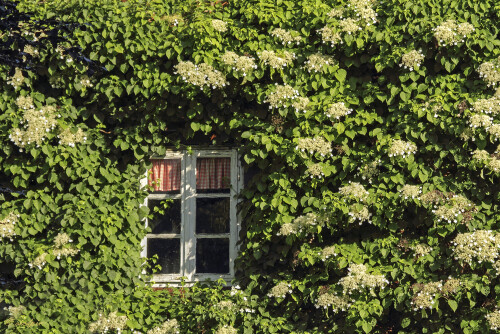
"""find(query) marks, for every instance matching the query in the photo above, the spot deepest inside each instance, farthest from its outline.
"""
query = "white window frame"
(188, 197)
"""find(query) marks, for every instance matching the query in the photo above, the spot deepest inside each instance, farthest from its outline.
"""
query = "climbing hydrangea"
(67, 137)
(490, 71)
(477, 247)
(17, 80)
(25, 102)
(306, 223)
(301, 104)
(219, 25)
(275, 60)
(358, 279)
(242, 64)
(318, 62)
(168, 327)
(39, 261)
(402, 148)
(426, 295)
(369, 170)
(280, 290)
(412, 60)
(328, 252)
(315, 170)
(338, 110)
(60, 246)
(480, 120)
(330, 36)
(349, 26)
(286, 37)
(487, 106)
(226, 330)
(455, 206)
(409, 191)
(111, 322)
(451, 33)
(36, 125)
(7, 225)
(354, 190)
(359, 213)
(282, 96)
(314, 145)
(327, 300)
(202, 75)
(494, 319)
(421, 249)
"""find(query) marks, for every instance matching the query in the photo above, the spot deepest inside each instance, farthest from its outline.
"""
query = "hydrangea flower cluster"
(315, 170)
(402, 148)
(314, 145)
(455, 206)
(335, 12)
(412, 60)
(427, 294)
(349, 26)
(277, 61)
(327, 252)
(338, 110)
(481, 156)
(112, 322)
(25, 102)
(494, 319)
(168, 327)
(85, 81)
(60, 241)
(433, 197)
(17, 79)
(421, 249)
(490, 72)
(67, 137)
(16, 311)
(327, 300)
(242, 64)
(363, 9)
(451, 33)
(409, 191)
(306, 223)
(281, 96)
(359, 213)
(29, 49)
(286, 37)
(200, 75)
(480, 120)
(39, 261)
(487, 106)
(174, 19)
(479, 246)
(219, 25)
(318, 62)
(301, 104)
(330, 36)
(358, 279)
(280, 290)
(37, 123)
(7, 225)
(354, 190)
(225, 305)
(368, 171)
(226, 330)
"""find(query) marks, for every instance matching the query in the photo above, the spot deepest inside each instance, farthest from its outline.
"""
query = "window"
(195, 225)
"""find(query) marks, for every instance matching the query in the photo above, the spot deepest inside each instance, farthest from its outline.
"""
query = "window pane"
(165, 220)
(166, 176)
(169, 254)
(213, 174)
(212, 215)
(212, 256)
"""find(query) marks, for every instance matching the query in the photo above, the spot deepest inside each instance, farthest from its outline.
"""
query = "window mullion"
(190, 219)
(233, 231)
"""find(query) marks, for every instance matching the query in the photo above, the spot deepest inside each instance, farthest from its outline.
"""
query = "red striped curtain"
(213, 173)
(168, 173)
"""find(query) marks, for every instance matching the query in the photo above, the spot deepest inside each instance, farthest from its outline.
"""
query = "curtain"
(168, 173)
(213, 173)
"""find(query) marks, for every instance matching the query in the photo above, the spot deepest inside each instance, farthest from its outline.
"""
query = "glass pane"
(165, 220)
(166, 176)
(212, 215)
(212, 256)
(169, 254)
(213, 175)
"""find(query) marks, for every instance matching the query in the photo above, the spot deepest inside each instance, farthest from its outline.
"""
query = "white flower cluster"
(318, 62)
(287, 37)
(494, 319)
(358, 279)
(60, 241)
(483, 157)
(451, 33)
(306, 223)
(455, 206)
(219, 25)
(487, 106)
(314, 145)
(85, 81)
(67, 137)
(480, 120)
(7, 225)
(421, 249)
(349, 26)
(301, 104)
(402, 148)
(427, 294)
(354, 190)
(112, 322)
(368, 171)
(202, 75)
(327, 300)
(363, 10)
(359, 213)
(412, 60)
(490, 72)
(327, 252)
(409, 191)
(17, 79)
(242, 64)
(282, 96)
(25, 102)
(338, 110)
(280, 290)
(479, 246)
(39, 261)
(29, 49)
(330, 36)
(168, 327)
(36, 125)
(16, 311)
(335, 13)
(226, 330)
(315, 170)
(174, 19)
(225, 305)
(275, 60)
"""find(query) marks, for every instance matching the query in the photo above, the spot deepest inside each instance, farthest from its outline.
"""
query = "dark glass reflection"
(212, 256)
(169, 254)
(212, 215)
(165, 220)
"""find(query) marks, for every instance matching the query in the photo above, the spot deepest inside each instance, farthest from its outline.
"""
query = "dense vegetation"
(370, 127)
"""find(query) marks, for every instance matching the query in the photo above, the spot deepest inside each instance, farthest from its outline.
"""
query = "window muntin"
(206, 195)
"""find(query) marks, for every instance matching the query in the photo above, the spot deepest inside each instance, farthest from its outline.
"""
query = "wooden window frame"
(188, 197)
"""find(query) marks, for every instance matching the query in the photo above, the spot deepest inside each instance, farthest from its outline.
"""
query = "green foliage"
(408, 127)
